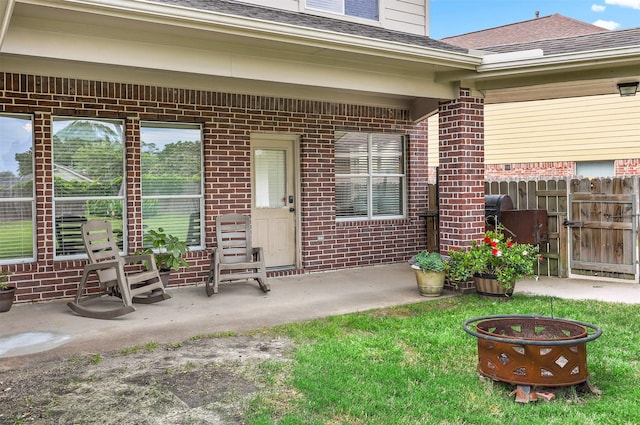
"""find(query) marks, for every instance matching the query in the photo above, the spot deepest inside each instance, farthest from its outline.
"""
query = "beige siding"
(574, 129)
(408, 16)
(292, 5)
(433, 138)
(405, 15)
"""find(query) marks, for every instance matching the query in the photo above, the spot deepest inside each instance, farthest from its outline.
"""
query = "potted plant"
(7, 293)
(169, 254)
(430, 270)
(495, 261)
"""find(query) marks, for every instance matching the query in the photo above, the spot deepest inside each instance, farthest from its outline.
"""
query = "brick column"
(461, 173)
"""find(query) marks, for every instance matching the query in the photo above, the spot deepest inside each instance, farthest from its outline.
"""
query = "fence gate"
(602, 230)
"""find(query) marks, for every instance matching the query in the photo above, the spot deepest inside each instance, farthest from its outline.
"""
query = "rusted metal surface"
(526, 226)
(532, 350)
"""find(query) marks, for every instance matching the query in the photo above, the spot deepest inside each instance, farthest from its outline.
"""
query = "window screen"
(88, 175)
(172, 195)
(17, 201)
(359, 8)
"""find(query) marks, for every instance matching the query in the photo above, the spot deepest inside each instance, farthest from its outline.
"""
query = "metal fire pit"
(532, 350)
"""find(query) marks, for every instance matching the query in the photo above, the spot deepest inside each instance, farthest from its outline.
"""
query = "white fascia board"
(566, 60)
(512, 56)
(6, 10)
(276, 31)
(512, 67)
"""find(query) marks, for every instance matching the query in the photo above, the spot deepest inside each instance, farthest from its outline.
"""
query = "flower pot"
(487, 286)
(430, 283)
(164, 277)
(6, 299)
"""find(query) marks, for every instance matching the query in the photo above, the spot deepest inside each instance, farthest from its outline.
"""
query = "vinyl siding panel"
(574, 129)
(291, 5)
(407, 16)
(433, 139)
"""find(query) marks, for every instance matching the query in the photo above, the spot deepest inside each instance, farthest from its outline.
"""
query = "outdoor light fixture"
(628, 89)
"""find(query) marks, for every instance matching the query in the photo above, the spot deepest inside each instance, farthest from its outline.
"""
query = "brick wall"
(530, 170)
(544, 170)
(227, 120)
(461, 176)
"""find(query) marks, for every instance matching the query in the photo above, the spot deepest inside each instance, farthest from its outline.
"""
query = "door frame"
(294, 140)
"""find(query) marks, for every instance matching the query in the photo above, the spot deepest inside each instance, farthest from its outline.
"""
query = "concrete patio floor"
(29, 332)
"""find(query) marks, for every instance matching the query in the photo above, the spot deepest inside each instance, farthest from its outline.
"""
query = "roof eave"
(206, 20)
(6, 10)
(492, 73)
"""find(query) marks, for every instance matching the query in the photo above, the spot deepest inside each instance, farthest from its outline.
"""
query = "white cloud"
(610, 25)
(598, 8)
(633, 4)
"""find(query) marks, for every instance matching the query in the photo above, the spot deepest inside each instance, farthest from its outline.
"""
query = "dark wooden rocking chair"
(142, 285)
(235, 254)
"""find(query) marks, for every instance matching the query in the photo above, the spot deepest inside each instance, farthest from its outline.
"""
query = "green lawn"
(415, 365)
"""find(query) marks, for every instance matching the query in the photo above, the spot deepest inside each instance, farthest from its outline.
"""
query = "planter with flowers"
(430, 269)
(7, 293)
(496, 263)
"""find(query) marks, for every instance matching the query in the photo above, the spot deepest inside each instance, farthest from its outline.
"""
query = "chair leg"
(214, 274)
(211, 286)
(216, 277)
(262, 281)
(76, 306)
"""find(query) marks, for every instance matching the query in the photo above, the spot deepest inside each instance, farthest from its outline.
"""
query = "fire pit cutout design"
(532, 350)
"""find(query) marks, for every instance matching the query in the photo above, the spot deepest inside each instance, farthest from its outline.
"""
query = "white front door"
(274, 197)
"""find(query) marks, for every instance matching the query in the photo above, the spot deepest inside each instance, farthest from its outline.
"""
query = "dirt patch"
(203, 381)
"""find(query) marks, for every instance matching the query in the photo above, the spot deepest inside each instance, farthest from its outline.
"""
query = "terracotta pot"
(487, 286)
(6, 299)
(430, 283)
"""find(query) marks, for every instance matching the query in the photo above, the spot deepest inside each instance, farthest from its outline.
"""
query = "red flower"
(509, 244)
(487, 240)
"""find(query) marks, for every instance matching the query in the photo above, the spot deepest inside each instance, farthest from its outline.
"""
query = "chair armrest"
(102, 265)
(148, 260)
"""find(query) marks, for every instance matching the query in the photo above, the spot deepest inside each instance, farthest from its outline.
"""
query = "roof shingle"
(312, 21)
(548, 27)
(582, 43)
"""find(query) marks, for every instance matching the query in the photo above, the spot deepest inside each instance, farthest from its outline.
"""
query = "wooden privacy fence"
(592, 223)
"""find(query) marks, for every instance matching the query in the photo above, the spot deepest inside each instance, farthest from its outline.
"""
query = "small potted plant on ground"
(495, 263)
(169, 254)
(430, 269)
(7, 293)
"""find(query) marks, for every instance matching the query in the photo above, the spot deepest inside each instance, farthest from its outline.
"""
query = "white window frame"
(370, 176)
(121, 197)
(199, 198)
(338, 7)
(31, 199)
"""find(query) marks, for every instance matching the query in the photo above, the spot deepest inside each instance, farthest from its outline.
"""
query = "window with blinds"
(367, 9)
(370, 175)
(17, 200)
(88, 179)
(171, 168)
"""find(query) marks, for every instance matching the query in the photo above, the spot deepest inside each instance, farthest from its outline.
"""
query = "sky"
(455, 17)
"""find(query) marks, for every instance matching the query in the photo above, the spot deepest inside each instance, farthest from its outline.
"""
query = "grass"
(415, 365)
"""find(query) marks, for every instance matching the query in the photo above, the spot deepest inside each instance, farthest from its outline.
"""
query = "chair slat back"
(100, 245)
(69, 234)
(233, 234)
